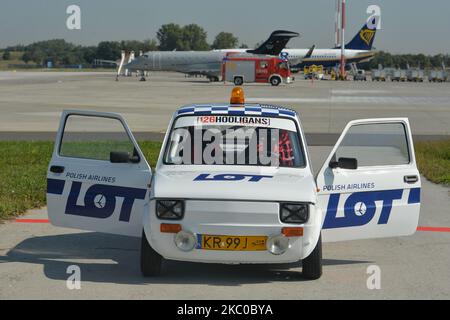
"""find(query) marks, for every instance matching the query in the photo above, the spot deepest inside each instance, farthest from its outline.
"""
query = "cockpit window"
(234, 140)
(284, 65)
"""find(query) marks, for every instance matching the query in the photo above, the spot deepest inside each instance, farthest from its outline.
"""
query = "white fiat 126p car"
(233, 184)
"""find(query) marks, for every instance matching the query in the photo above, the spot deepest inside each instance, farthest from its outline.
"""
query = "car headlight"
(170, 209)
(277, 245)
(294, 212)
(185, 241)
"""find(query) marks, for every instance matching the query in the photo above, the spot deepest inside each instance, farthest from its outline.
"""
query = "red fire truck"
(241, 69)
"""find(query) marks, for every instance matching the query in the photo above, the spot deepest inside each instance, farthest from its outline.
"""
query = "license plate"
(232, 243)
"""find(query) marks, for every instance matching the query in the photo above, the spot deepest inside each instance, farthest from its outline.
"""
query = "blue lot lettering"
(231, 177)
(106, 207)
(351, 217)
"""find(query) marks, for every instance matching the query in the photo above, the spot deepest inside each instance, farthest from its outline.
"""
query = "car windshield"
(234, 140)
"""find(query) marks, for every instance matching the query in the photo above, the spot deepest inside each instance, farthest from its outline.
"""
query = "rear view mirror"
(345, 163)
(119, 157)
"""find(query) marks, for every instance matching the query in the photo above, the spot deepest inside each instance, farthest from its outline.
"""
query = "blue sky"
(407, 26)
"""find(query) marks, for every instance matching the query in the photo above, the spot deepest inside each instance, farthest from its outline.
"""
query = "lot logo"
(100, 201)
(359, 208)
(231, 177)
(284, 55)
(73, 22)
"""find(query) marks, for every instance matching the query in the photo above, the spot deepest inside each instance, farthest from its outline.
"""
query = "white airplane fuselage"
(190, 62)
(324, 57)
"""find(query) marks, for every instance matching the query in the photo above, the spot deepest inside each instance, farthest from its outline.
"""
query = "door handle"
(57, 169)
(411, 179)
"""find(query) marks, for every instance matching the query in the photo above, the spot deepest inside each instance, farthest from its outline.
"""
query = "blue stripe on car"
(55, 186)
(265, 111)
(414, 196)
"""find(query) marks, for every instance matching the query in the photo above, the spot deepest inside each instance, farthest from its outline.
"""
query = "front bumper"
(232, 218)
(289, 80)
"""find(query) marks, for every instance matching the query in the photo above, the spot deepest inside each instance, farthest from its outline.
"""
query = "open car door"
(369, 184)
(98, 178)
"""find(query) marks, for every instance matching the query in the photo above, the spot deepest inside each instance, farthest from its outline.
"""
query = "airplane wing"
(107, 61)
(275, 44)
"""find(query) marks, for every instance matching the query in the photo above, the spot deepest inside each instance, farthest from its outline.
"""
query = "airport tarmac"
(33, 101)
(34, 258)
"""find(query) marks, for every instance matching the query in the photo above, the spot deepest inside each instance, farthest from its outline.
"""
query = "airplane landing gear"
(213, 79)
(142, 76)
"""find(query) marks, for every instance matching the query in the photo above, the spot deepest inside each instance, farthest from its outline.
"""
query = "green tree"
(88, 54)
(26, 57)
(174, 37)
(150, 45)
(169, 37)
(6, 55)
(136, 45)
(38, 55)
(109, 50)
(194, 38)
(225, 40)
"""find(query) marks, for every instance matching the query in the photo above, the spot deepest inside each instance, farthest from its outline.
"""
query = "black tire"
(275, 81)
(312, 265)
(238, 81)
(151, 260)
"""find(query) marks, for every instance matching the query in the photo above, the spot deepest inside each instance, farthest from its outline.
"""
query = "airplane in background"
(356, 51)
(207, 63)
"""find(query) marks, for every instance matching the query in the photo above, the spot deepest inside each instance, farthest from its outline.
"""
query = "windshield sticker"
(233, 120)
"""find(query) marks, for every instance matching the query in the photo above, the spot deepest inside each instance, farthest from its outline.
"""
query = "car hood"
(242, 183)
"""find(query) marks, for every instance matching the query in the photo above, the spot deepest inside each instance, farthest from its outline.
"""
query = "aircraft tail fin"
(275, 44)
(310, 52)
(363, 40)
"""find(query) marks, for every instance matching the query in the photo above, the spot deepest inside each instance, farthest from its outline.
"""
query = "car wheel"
(275, 81)
(312, 265)
(151, 260)
(238, 81)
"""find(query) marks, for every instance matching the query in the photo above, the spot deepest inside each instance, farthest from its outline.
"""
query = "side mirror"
(119, 157)
(345, 163)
